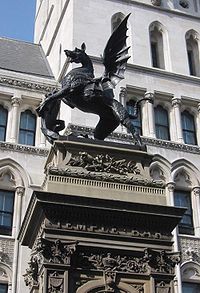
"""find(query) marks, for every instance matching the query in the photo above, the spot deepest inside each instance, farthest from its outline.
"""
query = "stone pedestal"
(101, 224)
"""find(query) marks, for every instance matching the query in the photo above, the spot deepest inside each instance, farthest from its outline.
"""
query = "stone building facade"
(164, 65)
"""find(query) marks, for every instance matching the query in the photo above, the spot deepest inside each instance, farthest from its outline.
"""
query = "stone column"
(19, 194)
(176, 102)
(123, 96)
(170, 201)
(15, 101)
(123, 100)
(148, 125)
(198, 125)
(196, 211)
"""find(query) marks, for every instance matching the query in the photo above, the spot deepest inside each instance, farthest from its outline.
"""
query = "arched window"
(156, 44)
(27, 128)
(135, 115)
(3, 122)
(193, 52)
(6, 211)
(188, 128)
(161, 123)
(182, 198)
(116, 20)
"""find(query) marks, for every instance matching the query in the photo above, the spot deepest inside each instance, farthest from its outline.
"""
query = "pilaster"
(15, 101)
(148, 127)
(178, 135)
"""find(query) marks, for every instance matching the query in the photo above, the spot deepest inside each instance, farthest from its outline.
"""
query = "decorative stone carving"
(31, 275)
(23, 149)
(190, 248)
(4, 258)
(150, 261)
(27, 85)
(55, 283)
(110, 281)
(184, 3)
(16, 101)
(163, 287)
(104, 163)
(156, 2)
(55, 252)
(6, 250)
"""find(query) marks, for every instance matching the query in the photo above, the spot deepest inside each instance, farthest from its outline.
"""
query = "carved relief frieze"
(26, 85)
(23, 149)
(104, 163)
(111, 230)
(101, 167)
(150, 261)
(190, 249)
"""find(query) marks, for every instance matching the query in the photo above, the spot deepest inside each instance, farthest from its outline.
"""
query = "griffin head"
(77, 55)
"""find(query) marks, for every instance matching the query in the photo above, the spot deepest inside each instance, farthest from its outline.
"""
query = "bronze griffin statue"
(82, 90)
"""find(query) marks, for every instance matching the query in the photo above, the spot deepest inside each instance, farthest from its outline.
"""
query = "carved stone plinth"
(96, 235)
(102, 170)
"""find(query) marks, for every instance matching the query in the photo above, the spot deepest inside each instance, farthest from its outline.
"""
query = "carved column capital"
(156, 2)
(16, 101)
(123, 92)
(176, 102)
(150, 97)
(196, 190)
(20, 190)
(171, 186)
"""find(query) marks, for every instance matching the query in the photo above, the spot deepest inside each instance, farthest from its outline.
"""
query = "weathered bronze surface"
(81, 89)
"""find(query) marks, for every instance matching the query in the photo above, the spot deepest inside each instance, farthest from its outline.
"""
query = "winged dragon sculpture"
(82, 90)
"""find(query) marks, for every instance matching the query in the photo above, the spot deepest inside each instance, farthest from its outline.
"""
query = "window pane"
(161, 123)
(6, 209)
(154, 55)
(183, 199)
(3, 123)
(137, 122)
(188, 127)
(3, 288)
(191, 288)
(27, 128)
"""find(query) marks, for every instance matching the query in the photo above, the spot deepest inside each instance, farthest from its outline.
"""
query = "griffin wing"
(115, 54)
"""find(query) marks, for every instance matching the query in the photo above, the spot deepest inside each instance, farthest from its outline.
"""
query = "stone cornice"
(6, 146)
(162, 9)
(27, 85)
(157, 72)
(127, 138)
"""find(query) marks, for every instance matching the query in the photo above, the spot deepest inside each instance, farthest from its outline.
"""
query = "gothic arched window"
(27, 128)
(188, 128)
(193, 52)
(6, 211)
(161, 123)
(3, 122)
(182, 199)
(135, 115)
(156, 43)
(116, 20)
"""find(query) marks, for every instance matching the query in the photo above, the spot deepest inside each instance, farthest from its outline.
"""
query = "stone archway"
(98, 286)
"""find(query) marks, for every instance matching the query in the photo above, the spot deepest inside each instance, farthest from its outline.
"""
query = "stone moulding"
(126, 138)
(6, 146)
(26, 85)
(133, 185)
